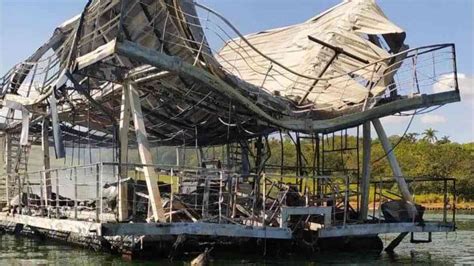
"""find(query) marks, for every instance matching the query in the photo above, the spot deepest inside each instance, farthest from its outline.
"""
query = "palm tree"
(430, 135)
(444, 140)
(411, 137)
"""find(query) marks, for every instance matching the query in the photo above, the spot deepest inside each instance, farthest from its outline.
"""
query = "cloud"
(395, 119)
(433, 119)
(465, 83)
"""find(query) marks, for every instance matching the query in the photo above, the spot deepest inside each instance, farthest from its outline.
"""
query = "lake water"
(452, 248)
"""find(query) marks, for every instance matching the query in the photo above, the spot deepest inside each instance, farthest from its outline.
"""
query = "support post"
(366, 171)
(57, 193)
(46, 162)
(264, 198)
(205, 198)
(123, 135)
(75, 193)
(391, 247)
(8, 166)
(57, 134)
(171, 195)
(145, 155)
(397, 171)
(97, 193)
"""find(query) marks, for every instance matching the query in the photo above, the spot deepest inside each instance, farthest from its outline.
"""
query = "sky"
(26, 24)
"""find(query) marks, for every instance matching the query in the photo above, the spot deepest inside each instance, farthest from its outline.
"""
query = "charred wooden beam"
(176, 65)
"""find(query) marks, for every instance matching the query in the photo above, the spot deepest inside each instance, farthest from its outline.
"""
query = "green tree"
(430, 135)
(411, 137)
(444, 140)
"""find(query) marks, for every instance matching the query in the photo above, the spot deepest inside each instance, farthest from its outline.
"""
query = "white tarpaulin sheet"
(346, 25)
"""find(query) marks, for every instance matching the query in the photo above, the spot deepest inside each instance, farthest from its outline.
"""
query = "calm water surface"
(453, 248)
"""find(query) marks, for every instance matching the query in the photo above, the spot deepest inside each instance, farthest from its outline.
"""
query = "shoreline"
(463, 206)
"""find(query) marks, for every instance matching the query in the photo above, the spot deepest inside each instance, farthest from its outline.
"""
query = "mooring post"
(366, 171)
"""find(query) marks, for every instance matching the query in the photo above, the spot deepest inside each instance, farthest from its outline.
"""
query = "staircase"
(16, 164)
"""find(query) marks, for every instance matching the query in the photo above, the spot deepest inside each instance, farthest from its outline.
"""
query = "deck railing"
(90, 193)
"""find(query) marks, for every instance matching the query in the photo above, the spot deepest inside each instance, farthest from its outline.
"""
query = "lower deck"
(208, 206)
(215, 230)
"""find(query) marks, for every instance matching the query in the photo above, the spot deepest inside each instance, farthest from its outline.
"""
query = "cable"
(399, 141)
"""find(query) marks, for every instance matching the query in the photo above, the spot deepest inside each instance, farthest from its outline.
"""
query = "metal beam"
(178, 66)
(366, 171)
(383, 228)
(123, 135)
(397, 171)
(145, 154)
(57, 134)
(203, 229)
(8, 165)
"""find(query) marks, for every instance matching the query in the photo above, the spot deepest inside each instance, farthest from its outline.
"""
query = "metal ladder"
(18, 162)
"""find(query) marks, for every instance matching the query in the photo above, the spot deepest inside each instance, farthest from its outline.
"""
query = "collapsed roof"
(353, 26)
(333, 71)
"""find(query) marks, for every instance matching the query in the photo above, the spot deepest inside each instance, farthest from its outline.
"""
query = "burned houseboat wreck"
(136, 76)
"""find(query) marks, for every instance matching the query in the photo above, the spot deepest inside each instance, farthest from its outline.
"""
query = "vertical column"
(123, 135)
(397, 171)
(97, 193)
(75, 193)
(25, 126)
(57, 134)
(8, 166)
(46, 161)
(366, 171)
(145, 155)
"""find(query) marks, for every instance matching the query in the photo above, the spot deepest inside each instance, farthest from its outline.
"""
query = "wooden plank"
(204, 229)
(46, 160)
(123, 135)
(98, 54)
(366, 171)
(80, 227)
(25, 127)
(145, 155)
(383, 228)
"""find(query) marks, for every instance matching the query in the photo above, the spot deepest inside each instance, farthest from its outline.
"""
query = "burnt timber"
(138, 76)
